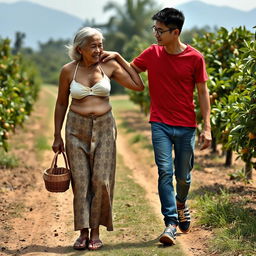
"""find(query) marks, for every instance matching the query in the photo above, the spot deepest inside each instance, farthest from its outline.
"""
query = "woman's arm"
(121, 76)
(60, 109)
(107, 55)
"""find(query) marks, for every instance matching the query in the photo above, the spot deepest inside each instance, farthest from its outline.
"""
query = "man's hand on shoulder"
(108, 55)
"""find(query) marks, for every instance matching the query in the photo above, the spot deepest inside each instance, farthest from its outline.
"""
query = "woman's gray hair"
(80, 39)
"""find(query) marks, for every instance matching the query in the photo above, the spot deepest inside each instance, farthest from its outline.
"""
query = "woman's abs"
(91, 105)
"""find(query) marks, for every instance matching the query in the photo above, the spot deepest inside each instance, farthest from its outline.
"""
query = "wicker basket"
(57, 179)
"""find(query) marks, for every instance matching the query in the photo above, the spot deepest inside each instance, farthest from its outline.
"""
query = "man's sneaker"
(169, 235)
(184, 218)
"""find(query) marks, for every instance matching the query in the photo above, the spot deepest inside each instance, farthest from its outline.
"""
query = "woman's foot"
(82, 241)
(95, 243)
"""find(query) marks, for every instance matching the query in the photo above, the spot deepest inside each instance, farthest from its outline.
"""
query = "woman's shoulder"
(69, 66)
(109, 66)
(67, 70)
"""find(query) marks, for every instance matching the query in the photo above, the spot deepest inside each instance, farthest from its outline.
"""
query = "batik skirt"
(91, 152)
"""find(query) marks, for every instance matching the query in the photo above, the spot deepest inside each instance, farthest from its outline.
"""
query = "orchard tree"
(19, 88)
(243, 113)
(222, 52)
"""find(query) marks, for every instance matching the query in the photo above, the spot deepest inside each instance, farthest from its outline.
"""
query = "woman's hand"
(58, 145)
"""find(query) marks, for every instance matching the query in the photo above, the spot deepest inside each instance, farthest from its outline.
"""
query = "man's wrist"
(207, 127)
(207, 134)
(118, 56)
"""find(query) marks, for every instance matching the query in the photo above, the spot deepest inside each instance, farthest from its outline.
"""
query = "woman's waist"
(90, 109)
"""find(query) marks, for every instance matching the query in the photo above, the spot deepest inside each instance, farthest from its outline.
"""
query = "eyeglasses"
(160, 32)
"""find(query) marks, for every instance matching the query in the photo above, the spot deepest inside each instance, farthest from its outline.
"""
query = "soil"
(32, 220)
(35, 222)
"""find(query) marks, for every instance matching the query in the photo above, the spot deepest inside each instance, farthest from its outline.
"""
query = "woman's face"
(92, 50)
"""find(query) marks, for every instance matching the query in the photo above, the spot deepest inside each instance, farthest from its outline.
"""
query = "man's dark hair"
(171, 17)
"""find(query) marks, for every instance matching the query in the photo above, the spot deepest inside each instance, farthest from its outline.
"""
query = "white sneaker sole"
(168, 240)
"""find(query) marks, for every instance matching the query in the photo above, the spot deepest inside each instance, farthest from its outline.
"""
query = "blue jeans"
(182, 139)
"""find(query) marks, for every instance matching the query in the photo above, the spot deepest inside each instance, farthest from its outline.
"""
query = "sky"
(88, 9)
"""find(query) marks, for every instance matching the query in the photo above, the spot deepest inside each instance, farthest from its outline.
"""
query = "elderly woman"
(90, 131)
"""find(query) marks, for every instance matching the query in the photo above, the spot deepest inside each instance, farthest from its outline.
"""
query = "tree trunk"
(248, 169)
(229, 154)
(214, 144)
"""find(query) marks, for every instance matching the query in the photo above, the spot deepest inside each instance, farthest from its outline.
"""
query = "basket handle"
(55, 158)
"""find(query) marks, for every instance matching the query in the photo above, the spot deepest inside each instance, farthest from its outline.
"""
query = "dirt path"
(42, 222)
(35, 222)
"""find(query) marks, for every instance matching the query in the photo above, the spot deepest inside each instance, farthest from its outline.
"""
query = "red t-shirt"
(172, 79)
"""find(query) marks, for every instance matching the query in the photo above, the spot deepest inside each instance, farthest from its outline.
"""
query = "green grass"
(51, 99)
(126, 127)
(239, 175)
(138, 138)
(8, 160)
(42, 140)
(143, 140)
(148, 146)
(122, 105)
(233, 223)
(198, 167)
(42, 143)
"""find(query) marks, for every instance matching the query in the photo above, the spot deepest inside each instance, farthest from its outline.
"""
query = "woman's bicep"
(121, 76)
(63, 90)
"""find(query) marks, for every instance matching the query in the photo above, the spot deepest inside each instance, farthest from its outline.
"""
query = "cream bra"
(101, 88)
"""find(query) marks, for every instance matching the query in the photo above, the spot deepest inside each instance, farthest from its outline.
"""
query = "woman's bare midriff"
(91, 105)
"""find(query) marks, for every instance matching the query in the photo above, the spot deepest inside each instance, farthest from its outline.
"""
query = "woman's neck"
(88, 65)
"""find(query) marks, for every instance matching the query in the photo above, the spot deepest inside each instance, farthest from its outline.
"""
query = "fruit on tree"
(251, 136)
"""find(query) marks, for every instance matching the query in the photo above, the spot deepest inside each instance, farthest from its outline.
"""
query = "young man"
(174, 70)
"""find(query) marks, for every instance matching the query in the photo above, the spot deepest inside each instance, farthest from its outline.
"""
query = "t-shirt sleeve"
(142, 60)
(200, 71)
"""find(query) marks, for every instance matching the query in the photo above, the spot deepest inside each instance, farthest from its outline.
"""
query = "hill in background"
(200, 14)
(40, 23)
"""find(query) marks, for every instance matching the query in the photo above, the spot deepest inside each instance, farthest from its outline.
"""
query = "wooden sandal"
(81, 243)
(95, 245)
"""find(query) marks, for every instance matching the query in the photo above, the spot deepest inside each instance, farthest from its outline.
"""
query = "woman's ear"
(78, 49)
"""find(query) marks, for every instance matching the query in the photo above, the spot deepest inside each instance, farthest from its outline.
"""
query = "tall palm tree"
(134, 18)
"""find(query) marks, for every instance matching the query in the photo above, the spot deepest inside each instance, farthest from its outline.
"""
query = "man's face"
(163, 34)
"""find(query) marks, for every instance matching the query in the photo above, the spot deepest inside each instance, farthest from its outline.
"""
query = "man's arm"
(129, 67)
(204, 102)
(124, 78)
(138, 70)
